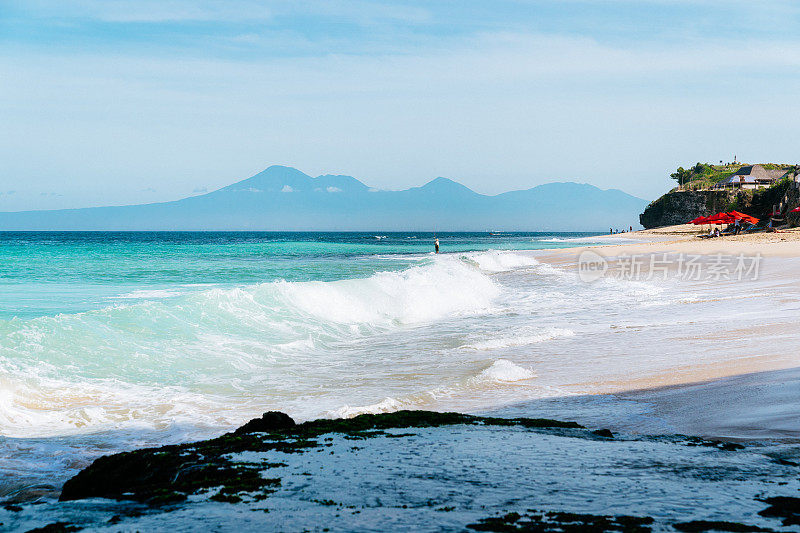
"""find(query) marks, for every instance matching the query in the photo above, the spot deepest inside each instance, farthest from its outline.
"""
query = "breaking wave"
(500, 261)
(153, 360)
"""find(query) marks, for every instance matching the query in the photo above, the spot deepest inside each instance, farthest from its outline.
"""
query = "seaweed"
(166, 476)
(786, 507)
(417, 419)
(56, 527)
(696, 526)
(718, 444)
(269, 421)
(170, 474)
(561, 522)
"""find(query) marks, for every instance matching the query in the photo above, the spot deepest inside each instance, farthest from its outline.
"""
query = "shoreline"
(749, 407)
(682, 241)
(773, 367)
(684, 238)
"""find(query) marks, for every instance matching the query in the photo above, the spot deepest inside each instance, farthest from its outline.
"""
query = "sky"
(111, 102)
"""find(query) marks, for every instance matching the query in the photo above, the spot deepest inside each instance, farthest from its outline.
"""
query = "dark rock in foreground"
(419, 470)
(270, 421)
(170, 474)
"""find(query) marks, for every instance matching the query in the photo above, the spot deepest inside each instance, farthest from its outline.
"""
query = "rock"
(168, 475)
(716, 525)
(56, 527)
(269, 422)
(679, 207)
(786, 507)
(554, 521)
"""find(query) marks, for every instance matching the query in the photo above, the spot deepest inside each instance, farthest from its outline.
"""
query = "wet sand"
(755, 406)
(752, 395)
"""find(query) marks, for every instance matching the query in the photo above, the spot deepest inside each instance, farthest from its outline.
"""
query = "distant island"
(285, 199)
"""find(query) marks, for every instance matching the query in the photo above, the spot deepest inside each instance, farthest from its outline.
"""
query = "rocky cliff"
(679, 207)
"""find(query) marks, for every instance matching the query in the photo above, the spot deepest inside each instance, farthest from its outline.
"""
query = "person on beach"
(436, 244)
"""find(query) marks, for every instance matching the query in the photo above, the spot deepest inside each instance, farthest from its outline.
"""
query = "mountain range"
(284, 199)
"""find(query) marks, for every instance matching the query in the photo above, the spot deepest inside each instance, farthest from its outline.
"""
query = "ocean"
(110, 341)
(114, 340)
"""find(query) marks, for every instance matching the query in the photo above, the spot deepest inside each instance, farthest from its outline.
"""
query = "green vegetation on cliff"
(705, 175)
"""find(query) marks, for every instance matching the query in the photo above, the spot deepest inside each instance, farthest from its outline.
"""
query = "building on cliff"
(751, 177)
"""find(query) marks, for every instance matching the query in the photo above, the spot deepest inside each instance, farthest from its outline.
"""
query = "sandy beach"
(750, 394)
(685, 238)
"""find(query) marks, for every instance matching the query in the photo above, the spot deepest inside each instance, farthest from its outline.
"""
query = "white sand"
(751, 391)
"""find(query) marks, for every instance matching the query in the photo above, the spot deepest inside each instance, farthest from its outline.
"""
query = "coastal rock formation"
(420, 470)
(270, 421)
(171, 474)
(678, 207)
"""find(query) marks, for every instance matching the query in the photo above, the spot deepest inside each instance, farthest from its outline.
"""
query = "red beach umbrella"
(720, 218)
(742, 216)
(700, 220)
(795, 210)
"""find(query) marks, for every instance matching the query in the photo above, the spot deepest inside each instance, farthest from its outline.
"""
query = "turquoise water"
(52, 273)
(110, 341)
(115, 340)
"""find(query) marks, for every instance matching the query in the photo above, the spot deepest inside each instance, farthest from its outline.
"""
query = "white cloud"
(334, 189)
(287, 188)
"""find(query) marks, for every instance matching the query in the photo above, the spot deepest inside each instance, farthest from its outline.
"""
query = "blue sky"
(115, 102)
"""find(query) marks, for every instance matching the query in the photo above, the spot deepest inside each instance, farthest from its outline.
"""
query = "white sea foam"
(505, 371)
(501, 261)
(387, 405)
(498, 373)
(500, 342)
(153, 361)
(418, 294)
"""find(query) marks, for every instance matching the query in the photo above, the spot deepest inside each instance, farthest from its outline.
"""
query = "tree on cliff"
(681, 175)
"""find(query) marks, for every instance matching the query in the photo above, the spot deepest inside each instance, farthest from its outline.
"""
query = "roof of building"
(759, 172)
(753, 174)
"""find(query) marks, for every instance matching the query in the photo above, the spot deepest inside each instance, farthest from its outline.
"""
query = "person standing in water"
(436, 244)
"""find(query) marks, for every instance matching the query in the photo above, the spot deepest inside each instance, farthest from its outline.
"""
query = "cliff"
(679, 207)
